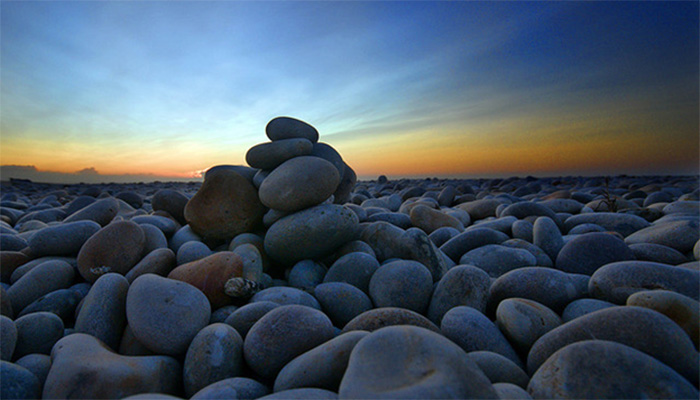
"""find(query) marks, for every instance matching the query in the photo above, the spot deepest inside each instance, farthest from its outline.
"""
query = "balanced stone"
(311, 234)
(115, 248)
(267, 156)
(400, 362)
(283, 334)
(216, 353)
(586, 253)
(165, 314)
(328, 153)
(286, 128)
(321, 367)
(594, 369)
(83, 367)
(299, 183)
(225, 205)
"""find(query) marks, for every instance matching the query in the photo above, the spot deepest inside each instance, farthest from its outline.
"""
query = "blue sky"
(400, 88)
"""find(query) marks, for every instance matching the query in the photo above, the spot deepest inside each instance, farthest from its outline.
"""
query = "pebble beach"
(289, 278)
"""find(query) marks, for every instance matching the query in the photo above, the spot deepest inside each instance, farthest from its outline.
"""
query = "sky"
(159, 90)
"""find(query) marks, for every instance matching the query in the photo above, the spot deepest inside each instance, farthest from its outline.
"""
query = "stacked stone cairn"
(288, 279)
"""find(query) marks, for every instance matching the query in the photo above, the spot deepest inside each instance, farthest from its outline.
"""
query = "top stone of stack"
(281, 128)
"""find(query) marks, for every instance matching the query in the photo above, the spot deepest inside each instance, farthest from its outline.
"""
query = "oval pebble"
(499, 368)
(237, 388)
(523, 321)
(171, 201)
(657, 253)
(616, 281)
(216, 353)
(284, 295)
(245, 317)
(680, 235)
(377, 318)
(18, 382)
(355, 269)
(306, 275)
(581, 307)
(637, 327)
(101, 211)
(496, 260)
(683, 310)
(550, 287)
(281, 128)
(103, 311)
(341, 301)
(39, 281)
(158, 261)
(267, 156)
(115, 248)
(603, 369)
(411, 362)
(8, 332)
(283, 334)
(402, 283)
(37, 333)
(165, 314)
(586, 253)
(462, 285)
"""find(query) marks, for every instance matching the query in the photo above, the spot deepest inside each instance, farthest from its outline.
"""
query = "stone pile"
(288, 279)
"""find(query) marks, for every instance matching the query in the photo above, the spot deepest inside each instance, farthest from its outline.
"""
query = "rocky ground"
(291, 279)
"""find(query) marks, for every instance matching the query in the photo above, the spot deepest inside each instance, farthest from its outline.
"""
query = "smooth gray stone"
(596, 369)
(220, 314)
(165, 314)
(585, 228)
(182, 236)
(321, 367)
(657, 253)
(462, 285)
(473, 331)
(39, 281)
(541, 258)
(62, 239)
(8, 332)
(237, 388)
(658, 197)
(37, 364)
(299, 183)
(328, 153)
(616, 281)
(171, 201)
(625, 224)
(550, 287)
(158, 261)
(637, 327)
(402, 283)
(581, 307)
(570, 206)
(84, 368)
(347, 183)
(9, 242)
(155, 239)
(401, 362)
(522, 229)
(312, 234)
(46, 216)
(480, 209)
(17, 382)
(37, 333)
(388, 316)
(164, 224)
(302, 394)
(280, 128)
(547, 236)
(103, 312)
(355, 269)
(469, 240)
(683, 310)
(267, 156)
(680, 235)
(102, 211)
(497, 260)
(216, 353)
(284, 295)
(524, 209)
(442, 235)
(690, 207)
(509, 391)
(501, 224)
(401, 220)
(77, 204)
(523, 321)
(586, 253)
(246, 172)
(283, 334)
(341, 301)
(307, 274)
(192, 251)
(499, 368)
(245, 317)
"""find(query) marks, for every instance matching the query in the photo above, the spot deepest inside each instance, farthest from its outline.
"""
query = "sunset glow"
(164, 90)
